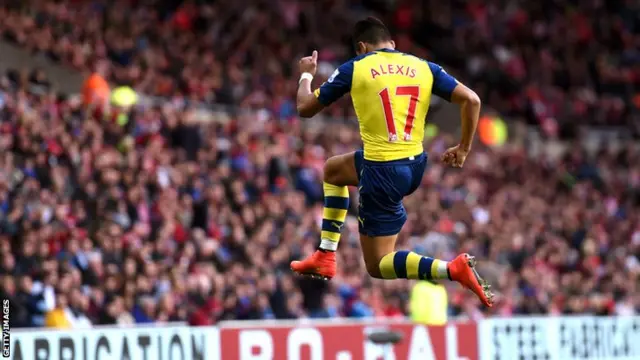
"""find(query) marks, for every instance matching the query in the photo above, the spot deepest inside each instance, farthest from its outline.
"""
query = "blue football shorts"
(382, 186)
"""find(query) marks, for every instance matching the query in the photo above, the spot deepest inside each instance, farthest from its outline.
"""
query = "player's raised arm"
(448, 88)
(306, 103)
(309, 103)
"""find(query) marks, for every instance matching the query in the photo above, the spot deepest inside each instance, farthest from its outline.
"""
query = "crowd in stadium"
(552, 62)
(168, 217)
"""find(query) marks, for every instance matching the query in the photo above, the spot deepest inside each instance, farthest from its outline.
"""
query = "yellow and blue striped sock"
(336, 203)
(409, 265)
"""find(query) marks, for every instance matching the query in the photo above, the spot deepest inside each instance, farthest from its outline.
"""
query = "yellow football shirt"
(391, 92)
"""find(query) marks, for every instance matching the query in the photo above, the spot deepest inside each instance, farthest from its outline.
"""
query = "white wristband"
(305, 75)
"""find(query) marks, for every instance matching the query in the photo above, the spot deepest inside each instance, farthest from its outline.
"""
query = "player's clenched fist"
(308, 64)
(455, 156)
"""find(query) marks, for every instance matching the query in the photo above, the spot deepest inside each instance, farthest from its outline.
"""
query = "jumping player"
(391, 92)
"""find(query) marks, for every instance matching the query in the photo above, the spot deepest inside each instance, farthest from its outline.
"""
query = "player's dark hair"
(370, 31)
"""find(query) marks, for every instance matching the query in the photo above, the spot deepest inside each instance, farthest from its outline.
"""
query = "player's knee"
(332, 171)
(374, 272)
(373, 268)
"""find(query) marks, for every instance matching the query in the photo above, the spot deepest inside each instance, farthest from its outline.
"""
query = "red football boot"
(462, 269)
(320, 265)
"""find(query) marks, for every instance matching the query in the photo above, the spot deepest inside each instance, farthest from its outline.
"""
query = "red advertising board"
(457, 341)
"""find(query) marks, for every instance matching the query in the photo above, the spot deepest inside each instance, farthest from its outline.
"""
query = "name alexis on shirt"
(393, 69)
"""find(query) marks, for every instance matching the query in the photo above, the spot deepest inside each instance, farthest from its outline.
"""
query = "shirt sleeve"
(337, 85)
(443, 83)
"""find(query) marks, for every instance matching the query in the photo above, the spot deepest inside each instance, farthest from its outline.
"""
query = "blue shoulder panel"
(339, 83)
(443, 83)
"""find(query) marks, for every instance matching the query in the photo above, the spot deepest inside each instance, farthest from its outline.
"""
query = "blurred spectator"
(95, 90)
(60, 316)
(144, 312)
(19, 310)
(79, 304)
(427, 292)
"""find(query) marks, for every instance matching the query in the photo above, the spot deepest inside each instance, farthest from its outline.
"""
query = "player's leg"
(383, 262)
(378, 234)
(381, 217)
(342, 170)
(339, 172)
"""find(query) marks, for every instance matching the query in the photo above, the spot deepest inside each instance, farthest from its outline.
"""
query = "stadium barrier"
(534, 338)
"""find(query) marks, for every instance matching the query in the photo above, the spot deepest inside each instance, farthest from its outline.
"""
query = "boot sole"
(313, 276)
(486, 288)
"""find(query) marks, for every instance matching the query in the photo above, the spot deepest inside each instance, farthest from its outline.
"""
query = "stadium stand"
(552, 63)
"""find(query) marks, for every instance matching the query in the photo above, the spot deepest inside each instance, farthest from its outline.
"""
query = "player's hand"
(309, 64)
(455, 156)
